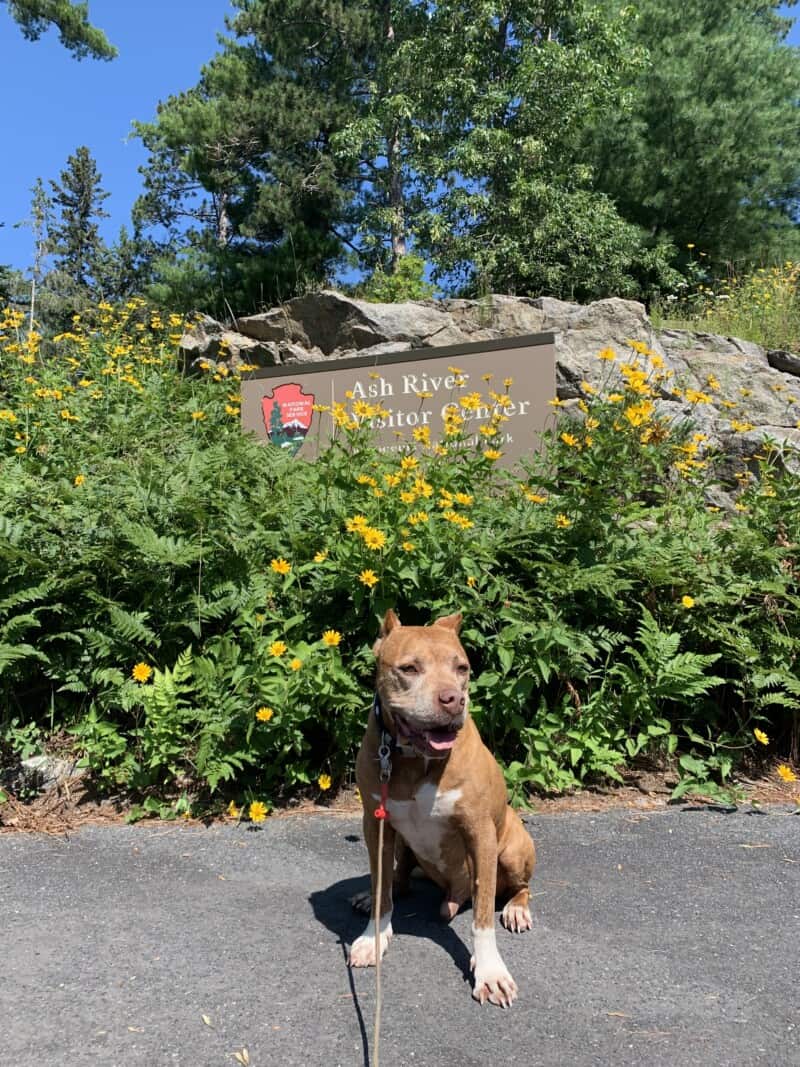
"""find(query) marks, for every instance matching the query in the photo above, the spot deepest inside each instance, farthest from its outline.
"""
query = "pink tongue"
(441, 742)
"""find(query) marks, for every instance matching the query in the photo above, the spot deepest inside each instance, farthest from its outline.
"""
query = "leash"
(381, 814)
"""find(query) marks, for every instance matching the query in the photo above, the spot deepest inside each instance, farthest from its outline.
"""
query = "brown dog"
(447, 808)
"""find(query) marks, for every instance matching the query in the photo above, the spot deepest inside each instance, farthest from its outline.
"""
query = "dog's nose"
(451, 701)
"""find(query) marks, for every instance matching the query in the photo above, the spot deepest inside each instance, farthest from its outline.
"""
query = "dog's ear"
(390, 622)
(450, 622)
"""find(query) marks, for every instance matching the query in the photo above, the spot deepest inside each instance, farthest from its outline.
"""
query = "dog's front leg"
(362, 951)
(492, 979)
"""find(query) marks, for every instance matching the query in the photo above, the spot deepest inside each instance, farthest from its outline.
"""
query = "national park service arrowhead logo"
(288, 412)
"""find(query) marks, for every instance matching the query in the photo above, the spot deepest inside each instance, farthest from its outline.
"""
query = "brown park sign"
(278, 403)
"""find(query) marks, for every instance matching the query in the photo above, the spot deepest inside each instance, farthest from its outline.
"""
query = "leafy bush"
(406, 282)
(197, 609)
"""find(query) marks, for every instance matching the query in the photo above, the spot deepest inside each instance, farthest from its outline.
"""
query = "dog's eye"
(463, 668)
(408, 668)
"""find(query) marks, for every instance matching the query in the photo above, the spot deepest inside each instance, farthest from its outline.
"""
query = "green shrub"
(197, 609)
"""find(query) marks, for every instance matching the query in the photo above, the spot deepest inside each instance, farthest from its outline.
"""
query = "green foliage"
(455, 128)
(761, 306)
(707, 153)
(406, 282)
(198, 609)
(71, 20)
(73, 237)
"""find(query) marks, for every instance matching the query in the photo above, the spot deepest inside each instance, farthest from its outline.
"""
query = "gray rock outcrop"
(748, 383)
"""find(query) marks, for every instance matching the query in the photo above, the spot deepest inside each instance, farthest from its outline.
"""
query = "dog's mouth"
(433, 740)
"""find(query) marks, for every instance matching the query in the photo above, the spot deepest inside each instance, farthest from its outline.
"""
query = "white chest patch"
(424, 821)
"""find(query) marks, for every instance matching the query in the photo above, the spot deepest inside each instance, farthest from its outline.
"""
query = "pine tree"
(70, 19)
(709, 154)
(74, 237)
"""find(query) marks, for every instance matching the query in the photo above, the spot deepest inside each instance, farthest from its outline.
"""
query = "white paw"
(492, 980)
(362, 951)
(516, 917)
(495, 985)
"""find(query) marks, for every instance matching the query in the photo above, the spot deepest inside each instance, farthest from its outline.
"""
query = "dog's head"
(422, 679)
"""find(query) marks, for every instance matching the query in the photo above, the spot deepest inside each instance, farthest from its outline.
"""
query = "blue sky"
(54, 103)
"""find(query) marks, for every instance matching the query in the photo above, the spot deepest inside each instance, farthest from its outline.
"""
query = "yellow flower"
(535, 498)
(296, 664)
(277, 648)
(320, 557)
(607, 354)
(786, 773)
(324, 782)
(141, 672)
(741, 427)
(694, 397)
(416, 517)
(264, 714)
(280, 565)
(508, 382)
(761, 737)
(492, 454)
(570, 439)
(198, 415)
(556, 403)
(233, 811)
(472, 581)
(562, 521)
(368, 578)
(687, 601)
(422, 434)
(331, 638)
(374, 539)
(407, 546)
(356, 524)
(79, 479)
(258, 811)
(7, 416)
(408, 463)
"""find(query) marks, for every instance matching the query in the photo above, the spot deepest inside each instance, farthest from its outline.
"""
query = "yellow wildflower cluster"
(373, 538)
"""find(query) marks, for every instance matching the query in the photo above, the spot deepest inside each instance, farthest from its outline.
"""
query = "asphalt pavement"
(660, 938)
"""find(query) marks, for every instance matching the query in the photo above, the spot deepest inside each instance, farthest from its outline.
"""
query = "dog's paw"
(362, 902)
(516, 917)
(495, 985)
(362, 951)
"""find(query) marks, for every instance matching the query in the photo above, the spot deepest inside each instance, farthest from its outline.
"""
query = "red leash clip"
(380, 811)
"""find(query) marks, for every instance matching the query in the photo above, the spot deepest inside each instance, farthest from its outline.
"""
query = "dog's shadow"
(415, 914)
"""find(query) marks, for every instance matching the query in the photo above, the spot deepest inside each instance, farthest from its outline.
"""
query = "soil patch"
(69, 805)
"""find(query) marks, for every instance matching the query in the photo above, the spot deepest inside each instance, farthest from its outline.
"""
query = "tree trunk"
(224, 226)
(396, 202)
(394, 156)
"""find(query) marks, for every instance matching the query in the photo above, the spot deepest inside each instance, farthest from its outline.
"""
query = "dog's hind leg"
(404, 863)
(515, 865)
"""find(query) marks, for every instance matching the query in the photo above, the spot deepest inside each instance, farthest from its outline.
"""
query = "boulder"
(742, 381)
